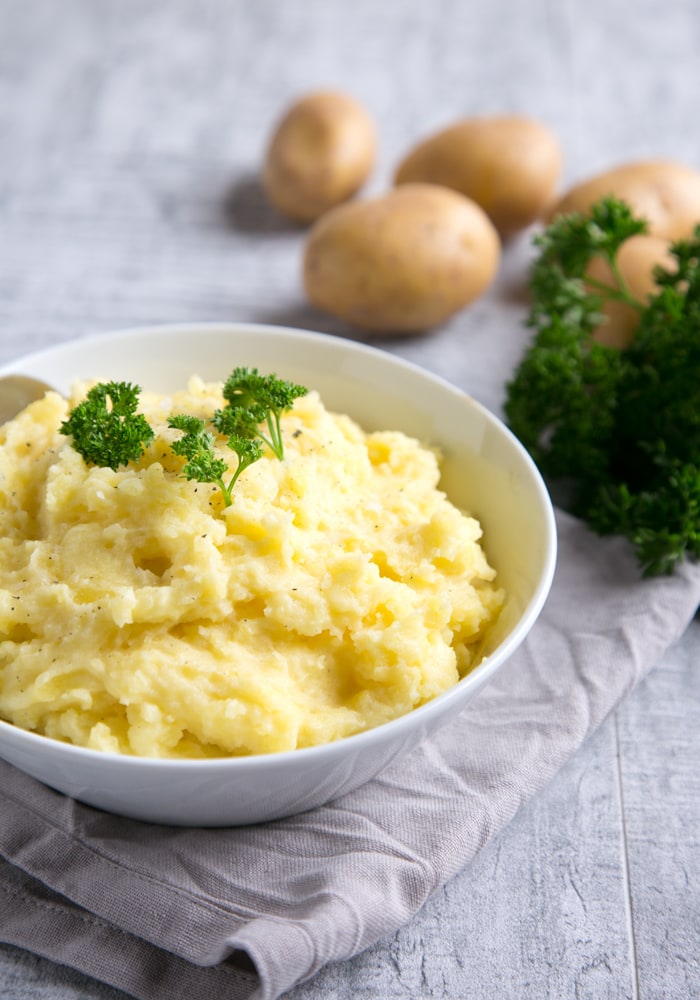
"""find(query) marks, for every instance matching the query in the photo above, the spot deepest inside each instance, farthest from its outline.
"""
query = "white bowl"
(485, 470)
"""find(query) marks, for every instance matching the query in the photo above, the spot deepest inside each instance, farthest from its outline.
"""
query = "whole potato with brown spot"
(665, 193)
(509, 165)
(636, 260)
(403, 262)
(320, 154)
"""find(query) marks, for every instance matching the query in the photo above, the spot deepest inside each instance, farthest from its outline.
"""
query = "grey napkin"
(165, 912)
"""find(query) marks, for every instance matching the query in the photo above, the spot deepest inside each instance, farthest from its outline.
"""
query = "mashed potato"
(139, 615)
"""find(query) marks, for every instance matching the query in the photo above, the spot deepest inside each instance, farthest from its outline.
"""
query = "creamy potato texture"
(140, 615)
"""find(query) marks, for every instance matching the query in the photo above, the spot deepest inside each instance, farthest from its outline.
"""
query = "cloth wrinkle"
(102, 857)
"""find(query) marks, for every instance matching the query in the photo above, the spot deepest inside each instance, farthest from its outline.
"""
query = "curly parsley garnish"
(253, 399)
(621, 428)
(105, 427)
(197, 446)
(107, 430)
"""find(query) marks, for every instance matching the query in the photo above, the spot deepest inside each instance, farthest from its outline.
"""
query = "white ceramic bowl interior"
(486, 471)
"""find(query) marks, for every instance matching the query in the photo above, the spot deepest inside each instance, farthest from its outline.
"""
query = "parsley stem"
(227, 491)
(275, 442)
(619, 293)
(621, 283)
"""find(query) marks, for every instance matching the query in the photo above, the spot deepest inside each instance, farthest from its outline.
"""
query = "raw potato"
(509, 165)
(666, 194)
(401, 263)
(636, 260)
(320, 154)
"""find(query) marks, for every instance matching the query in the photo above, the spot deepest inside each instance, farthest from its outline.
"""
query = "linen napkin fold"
(169, 912)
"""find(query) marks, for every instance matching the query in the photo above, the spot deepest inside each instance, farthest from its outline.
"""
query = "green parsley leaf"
(253, 399)
(197, 446)
(105, 427)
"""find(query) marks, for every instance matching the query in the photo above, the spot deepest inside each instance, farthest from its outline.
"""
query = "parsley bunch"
(621, 428)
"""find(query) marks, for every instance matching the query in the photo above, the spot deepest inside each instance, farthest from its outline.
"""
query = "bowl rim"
(386, 731)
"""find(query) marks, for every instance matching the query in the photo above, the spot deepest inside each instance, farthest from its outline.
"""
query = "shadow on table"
(245, 207)
(305, 317)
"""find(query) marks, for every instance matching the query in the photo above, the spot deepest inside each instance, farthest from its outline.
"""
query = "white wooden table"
(131, 135)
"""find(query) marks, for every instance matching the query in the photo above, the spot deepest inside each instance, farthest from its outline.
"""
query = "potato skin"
(636, 260)
(401, 263)
(508, 164)
(665, 193)
(320, 154)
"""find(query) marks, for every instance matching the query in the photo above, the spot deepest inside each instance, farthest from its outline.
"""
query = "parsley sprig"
(253, 399)
(197, 446)
(105, 427)
(621, 428)
(107, 430)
